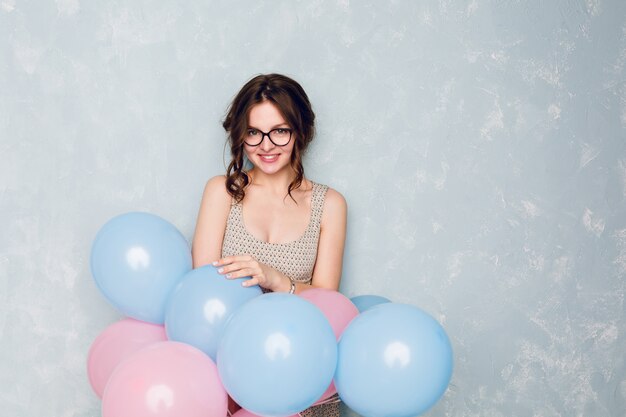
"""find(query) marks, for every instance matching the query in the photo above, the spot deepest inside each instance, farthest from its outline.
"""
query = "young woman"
(270, 222)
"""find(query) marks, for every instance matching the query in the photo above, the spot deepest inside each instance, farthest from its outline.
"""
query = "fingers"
(229, 269)
(250, 282)
(230, 259)
(229, 263)
(240, 266)
(241, 273)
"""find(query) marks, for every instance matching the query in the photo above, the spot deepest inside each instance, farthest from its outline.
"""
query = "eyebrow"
(274, 127)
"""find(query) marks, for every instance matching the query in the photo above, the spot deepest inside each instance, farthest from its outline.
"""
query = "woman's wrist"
(292, 286)
(287, 285)
(282, 282)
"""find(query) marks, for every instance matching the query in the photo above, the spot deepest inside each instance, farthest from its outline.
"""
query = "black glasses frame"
(263, 134)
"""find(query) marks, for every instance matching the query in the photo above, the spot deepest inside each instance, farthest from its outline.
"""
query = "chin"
(270, 170)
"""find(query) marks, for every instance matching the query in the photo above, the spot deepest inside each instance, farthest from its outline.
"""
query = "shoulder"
(334, 198)
(215, 190)
(216, 185)
(335, 204)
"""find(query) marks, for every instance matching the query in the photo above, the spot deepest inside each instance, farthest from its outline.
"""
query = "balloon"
(114, 344)
(167, 379)
(394, 360)
(200, 306)
(277, 355)
(337, 308)
(339, 311)
(136, 260)
(365, 302)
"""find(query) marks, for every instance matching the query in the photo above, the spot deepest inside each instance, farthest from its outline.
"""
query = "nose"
(266, 143)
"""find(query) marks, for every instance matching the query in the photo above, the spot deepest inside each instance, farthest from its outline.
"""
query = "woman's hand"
(246, 266)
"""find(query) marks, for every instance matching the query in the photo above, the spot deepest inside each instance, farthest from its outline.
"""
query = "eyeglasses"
(279, 137)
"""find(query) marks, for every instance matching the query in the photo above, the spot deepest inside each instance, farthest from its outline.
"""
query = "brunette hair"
(294, 106)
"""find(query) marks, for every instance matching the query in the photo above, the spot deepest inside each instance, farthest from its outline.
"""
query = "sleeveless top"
(295, 259)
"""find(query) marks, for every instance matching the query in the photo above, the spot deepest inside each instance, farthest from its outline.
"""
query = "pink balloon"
(245, 413)
(330, 391)
(114, 344)
(337, 308)
(166, 379)
(339, 311)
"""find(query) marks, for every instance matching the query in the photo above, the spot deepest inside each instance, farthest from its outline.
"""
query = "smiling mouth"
(268, 158)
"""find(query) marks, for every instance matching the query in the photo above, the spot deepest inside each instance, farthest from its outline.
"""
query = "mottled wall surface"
(481, 146)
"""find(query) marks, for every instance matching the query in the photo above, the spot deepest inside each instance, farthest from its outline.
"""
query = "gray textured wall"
(480, 145)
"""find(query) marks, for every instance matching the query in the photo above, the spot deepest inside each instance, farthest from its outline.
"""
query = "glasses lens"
(253, 137)
(280, 137)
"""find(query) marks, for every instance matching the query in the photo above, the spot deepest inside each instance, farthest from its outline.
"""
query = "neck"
(277, 183)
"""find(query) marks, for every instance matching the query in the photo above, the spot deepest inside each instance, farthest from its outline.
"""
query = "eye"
(282, 131)
(252, 132)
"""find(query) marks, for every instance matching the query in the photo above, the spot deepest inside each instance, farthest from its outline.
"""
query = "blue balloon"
(394, 360)
(277, 355)
(365, 302)
(136, 260)
(200, 306)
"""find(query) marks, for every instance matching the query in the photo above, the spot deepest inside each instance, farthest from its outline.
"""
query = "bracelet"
(292, 289)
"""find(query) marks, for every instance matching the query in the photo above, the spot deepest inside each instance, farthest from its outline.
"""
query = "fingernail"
(214, 263)
(228, 275)
(244, 284)
(220, 270)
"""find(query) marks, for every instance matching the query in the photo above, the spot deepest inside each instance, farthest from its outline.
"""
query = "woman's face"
(266, 156)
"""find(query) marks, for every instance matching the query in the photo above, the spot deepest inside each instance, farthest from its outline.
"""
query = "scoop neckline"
(306, 230)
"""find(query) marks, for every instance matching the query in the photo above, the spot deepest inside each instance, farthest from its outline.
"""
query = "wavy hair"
(294, 105)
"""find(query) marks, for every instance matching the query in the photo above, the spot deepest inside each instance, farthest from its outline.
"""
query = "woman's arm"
(211, 223)
(327, 271)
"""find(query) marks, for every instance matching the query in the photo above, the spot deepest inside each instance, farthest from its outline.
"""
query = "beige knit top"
(295, 259)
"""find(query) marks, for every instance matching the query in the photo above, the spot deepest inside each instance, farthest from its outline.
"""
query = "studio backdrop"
(480, 145)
